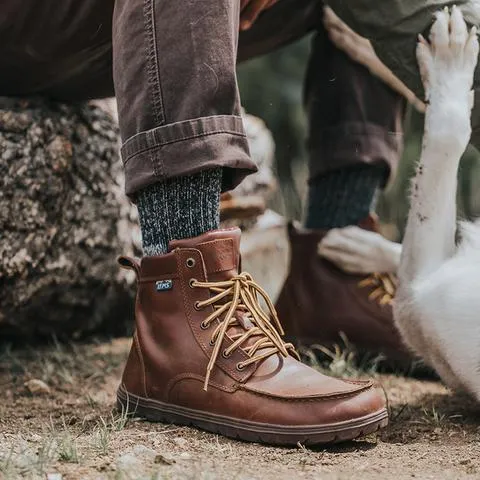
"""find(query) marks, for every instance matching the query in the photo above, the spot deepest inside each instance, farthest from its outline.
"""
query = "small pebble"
(37, 387)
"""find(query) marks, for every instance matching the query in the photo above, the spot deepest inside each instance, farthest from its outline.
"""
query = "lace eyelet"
(226, 355)
(204, 326)
(196, 306)
(191, 282)
(190, 262)
(212, 343)
(240, 367)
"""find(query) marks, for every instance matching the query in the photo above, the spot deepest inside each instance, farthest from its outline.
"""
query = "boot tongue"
(221, 254)
(220, 251)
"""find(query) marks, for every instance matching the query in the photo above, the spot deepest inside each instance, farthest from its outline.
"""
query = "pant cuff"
(352, 144)
(185, 148)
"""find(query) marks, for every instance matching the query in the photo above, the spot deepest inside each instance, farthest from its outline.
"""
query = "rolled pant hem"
(185, 148)
(353, 144)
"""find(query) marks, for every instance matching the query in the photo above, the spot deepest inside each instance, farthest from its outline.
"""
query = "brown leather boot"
(206, 353)
(319, 302)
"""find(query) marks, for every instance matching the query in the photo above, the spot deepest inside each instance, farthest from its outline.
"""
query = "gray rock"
(63, 220)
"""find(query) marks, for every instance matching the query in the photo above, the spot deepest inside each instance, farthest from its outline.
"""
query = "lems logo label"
(163, 285)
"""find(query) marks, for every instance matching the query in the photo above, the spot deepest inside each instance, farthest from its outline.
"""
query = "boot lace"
(383, 286)
(240, 296)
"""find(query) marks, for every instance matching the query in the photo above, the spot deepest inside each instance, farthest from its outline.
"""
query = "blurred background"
(271, 88)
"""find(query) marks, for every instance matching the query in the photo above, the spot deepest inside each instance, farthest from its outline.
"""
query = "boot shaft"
(171, 337)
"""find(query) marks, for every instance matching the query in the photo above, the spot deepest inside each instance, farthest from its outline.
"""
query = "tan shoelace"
(241, 294)
(384, 286)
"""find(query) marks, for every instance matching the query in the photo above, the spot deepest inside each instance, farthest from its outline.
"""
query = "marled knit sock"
(343, 197)
(179, 208)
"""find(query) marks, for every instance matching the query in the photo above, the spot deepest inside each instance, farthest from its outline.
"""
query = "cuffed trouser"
(171, 65)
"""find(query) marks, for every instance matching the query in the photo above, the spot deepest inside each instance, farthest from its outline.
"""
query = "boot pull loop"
(129, 263)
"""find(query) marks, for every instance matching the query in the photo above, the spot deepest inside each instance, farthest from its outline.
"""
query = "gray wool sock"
(179, 208)
(343, 197)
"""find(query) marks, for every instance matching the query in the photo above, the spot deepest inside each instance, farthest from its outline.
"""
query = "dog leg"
(429, 303)
(446, 65)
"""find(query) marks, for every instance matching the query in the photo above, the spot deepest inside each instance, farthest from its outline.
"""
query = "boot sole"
(156, 411)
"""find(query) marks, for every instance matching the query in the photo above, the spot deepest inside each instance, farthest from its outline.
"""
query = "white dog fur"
(437, 304)
(438, 300)
(359, 251)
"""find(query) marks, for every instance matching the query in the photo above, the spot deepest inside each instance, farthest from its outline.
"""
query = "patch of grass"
(91, 402)
(67, 449)
(102, 437)
(63, 357)
(119, 422)
(432, 416)
(23, 462)
(53, 365)
(66, 445)
(340, 361)
(105, 428)
(46, 454)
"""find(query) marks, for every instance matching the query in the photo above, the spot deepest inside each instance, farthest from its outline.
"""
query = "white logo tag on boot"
(163, 285)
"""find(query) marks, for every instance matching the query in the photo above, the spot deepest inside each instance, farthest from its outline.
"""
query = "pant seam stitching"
(153, 72)
(153, 160)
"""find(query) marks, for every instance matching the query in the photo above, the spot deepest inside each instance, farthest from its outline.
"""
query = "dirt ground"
(66, 428)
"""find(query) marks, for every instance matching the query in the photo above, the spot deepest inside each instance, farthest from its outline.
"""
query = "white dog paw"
(359, 251)
(451, 56)
(447, 66)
